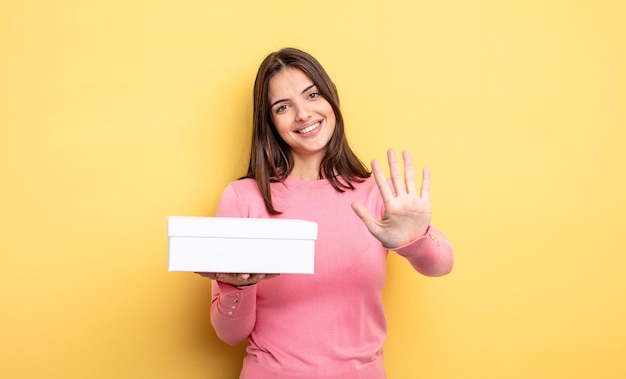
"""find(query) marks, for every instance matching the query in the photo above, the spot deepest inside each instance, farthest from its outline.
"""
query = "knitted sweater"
(330, 325)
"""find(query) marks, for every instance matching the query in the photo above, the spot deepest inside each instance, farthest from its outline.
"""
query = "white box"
(241, 245)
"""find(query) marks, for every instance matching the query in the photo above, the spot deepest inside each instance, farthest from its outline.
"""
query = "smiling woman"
(329, 325)
(271, 157)
(303, 119)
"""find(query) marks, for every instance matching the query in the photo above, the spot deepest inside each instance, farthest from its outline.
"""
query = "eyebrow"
(303, 91)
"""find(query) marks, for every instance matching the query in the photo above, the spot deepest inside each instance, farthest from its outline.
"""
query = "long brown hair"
(270, 156)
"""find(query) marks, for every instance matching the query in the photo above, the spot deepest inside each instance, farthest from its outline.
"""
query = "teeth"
(309, 129)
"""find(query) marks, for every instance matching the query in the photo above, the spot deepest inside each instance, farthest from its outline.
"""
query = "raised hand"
(407, 213)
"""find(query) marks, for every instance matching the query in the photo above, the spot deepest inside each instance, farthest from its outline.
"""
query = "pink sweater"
(330, 325)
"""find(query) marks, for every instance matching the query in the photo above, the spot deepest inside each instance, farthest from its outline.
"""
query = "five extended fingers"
(400, 186)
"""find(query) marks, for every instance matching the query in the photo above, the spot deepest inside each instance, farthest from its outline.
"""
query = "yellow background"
(116, 114)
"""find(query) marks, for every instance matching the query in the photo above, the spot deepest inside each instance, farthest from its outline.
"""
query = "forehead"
(288, 82)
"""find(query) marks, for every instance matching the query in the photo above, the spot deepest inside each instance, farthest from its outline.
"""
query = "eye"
(281, 108)
(314, 95)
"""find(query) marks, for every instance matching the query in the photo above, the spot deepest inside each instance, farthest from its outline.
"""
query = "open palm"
(407, 213)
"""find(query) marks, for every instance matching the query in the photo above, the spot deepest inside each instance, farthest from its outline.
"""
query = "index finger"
(381, 181)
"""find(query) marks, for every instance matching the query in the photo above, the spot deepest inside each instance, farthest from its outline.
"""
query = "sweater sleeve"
(431, 254)
(233, 309)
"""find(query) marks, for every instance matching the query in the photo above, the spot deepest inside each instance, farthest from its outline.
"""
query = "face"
(303, 118)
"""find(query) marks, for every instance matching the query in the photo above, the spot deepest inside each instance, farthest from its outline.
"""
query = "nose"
(303, 112)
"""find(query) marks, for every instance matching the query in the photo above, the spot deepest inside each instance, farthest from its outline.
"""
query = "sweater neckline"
(292, 182)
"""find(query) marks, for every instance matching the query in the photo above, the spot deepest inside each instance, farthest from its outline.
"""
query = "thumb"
(366, 217)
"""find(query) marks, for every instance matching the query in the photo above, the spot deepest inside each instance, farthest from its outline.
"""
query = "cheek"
(283, 128)
(332, 118)
(328, 109)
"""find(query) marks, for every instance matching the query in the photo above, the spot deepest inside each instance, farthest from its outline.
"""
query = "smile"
(309, 128)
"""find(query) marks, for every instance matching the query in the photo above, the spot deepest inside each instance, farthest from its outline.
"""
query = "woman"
(329, 325)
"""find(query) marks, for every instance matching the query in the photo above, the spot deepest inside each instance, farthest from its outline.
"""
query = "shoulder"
(245, 188)
(238, 197)
(244, 185)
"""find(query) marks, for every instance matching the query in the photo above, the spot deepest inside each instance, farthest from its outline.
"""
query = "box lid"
(232, 227)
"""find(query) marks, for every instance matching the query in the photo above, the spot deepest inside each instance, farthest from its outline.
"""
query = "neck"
(307, 168)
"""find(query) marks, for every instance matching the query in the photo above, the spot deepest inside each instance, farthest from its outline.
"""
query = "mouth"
(309, 129)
